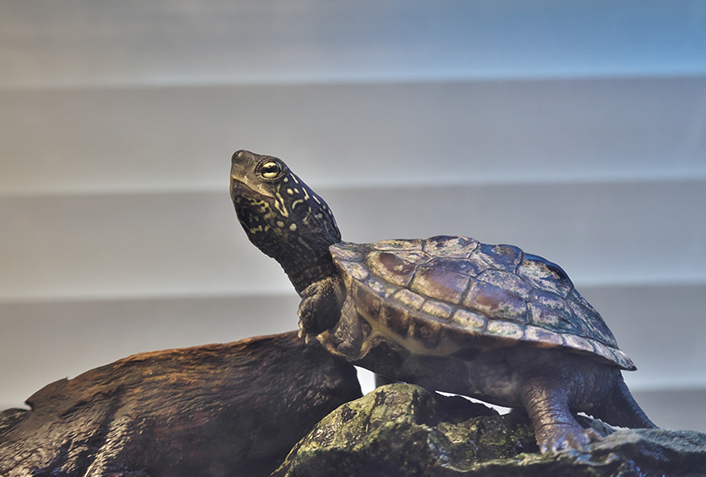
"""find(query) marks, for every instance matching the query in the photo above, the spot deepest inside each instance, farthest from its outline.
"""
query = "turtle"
(448, 313)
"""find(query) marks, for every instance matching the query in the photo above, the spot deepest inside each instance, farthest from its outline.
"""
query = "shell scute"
(357, 270)
(590, 320)
(462, 266)
(505, 329)
(507, 281)
(469, 320)
(498, 257)
(442, 283)
(348, 252)
(437, 309)
(398, 244)
(578, 343)
(397, 268)
(494, 302)
(545, 275)
(409, 299)
(603, 351)
(550, 311)
(376, 285)
(542, 337)
(623, 360)
(450, 246)
(368, 303)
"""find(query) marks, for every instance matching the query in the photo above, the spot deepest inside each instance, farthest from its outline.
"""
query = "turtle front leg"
(546, 400)
(320, 308)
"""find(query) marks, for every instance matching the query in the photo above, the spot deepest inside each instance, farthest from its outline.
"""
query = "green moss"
(402, 430)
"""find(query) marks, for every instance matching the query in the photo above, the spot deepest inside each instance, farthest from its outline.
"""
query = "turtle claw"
(565, 438)
(302, 334)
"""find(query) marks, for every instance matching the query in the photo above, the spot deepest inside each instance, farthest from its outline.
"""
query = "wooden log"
(231, 409)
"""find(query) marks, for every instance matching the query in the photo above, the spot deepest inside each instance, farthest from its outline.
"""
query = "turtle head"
(283, 217)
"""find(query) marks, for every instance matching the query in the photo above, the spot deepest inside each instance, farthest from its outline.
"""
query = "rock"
(402, 430)
(219, 410)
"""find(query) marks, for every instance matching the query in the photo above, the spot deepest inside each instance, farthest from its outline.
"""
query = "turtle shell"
(447, 294)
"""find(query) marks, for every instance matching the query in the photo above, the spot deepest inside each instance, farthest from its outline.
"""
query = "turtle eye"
(271, 170)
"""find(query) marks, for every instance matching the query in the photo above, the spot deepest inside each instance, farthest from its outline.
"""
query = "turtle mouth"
(244, 188)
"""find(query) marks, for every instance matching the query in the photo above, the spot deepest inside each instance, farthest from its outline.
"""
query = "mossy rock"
(403, 430)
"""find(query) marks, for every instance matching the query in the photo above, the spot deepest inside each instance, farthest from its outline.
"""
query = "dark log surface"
(225, 409)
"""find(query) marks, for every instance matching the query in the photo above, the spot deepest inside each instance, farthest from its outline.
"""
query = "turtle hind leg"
(546, 400)
(619, 408)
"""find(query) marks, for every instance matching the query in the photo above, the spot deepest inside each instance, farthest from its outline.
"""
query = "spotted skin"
(284, 218)
(448, 313)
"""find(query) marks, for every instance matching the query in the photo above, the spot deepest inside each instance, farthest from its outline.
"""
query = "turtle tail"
(621, 409)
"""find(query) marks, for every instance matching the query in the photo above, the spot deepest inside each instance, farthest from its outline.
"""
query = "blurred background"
(575, 130)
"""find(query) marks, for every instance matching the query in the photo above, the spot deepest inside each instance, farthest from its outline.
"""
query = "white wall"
(576, 131)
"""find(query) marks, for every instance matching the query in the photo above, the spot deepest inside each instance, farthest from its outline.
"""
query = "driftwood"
(227, 409)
